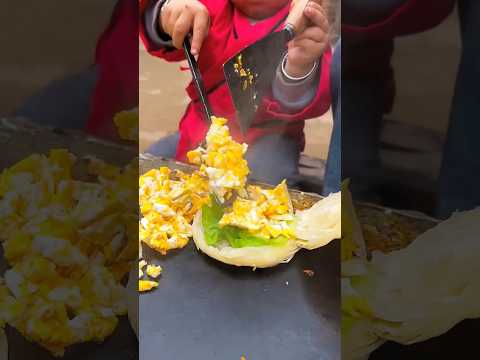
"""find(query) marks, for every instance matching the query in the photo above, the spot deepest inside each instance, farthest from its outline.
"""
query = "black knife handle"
(197, 79)
(290, 31)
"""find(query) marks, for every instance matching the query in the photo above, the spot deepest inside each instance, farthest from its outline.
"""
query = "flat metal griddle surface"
(206, 310)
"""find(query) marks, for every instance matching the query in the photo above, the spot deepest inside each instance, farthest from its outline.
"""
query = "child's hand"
(308, 47)
(179, 17)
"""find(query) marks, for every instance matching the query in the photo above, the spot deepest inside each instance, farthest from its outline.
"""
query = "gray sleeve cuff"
(158, 38)
(295, 95)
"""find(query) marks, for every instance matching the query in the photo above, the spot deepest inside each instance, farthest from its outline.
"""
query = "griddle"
(206, 310)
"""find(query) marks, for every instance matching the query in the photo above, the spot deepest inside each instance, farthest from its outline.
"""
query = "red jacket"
(372, 59)
(117, 60)
(412, 17)
(231, 31)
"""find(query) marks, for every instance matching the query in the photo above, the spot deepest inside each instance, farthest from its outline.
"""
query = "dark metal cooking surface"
(206, 310)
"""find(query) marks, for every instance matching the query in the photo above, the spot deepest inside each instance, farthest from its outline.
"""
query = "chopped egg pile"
(168, 202)
(222, 161)
(267, 213)
(170, 199)
(127, 124)
(68, 244)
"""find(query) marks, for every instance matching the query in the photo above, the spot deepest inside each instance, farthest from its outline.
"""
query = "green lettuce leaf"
(236, 237)
(211, 216)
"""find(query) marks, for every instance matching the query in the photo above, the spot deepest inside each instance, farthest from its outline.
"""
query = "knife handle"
(296, 19)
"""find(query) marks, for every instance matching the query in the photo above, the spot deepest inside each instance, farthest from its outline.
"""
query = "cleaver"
(249, 73)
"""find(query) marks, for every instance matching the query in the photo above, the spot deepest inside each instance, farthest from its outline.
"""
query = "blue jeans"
(460, 174)
(333, 171)
(271, 159)
(63, 103)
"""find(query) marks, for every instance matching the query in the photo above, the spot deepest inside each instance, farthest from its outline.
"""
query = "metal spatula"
(249, 74)
(198, 81)
(202, 94)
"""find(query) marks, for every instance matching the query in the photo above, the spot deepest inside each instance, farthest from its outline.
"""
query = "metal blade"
(249, 74)
(197, 80)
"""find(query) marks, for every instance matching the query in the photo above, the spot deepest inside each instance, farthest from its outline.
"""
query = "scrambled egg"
(267, 213)
(168, 202)
(141, 264)
(222, 161)
(154, 271)
(146, 285)
(68, 244)
(127, 124)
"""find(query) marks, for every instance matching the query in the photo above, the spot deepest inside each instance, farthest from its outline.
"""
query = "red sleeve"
(412, 17)
(272, 109)
(117, 79)
(213, 7)
(167, 54)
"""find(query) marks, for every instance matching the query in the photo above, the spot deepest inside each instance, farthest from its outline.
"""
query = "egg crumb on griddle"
(141, 265)
(222, 161)
(146, 285)
(154, 271)
(68, 244)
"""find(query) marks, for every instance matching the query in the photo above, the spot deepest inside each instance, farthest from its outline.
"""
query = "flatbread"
(320, 224)
(256, 257)
(317, 227)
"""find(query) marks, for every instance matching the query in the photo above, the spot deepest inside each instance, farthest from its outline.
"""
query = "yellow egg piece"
(154, 271)
(146, 285)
